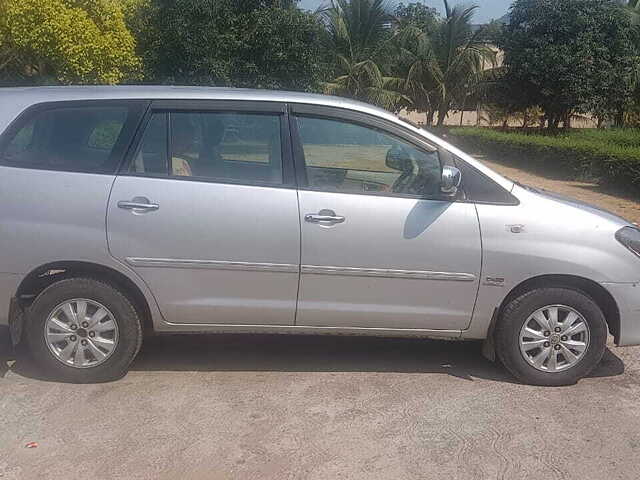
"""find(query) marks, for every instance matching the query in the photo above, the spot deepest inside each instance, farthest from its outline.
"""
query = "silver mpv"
(164, 209)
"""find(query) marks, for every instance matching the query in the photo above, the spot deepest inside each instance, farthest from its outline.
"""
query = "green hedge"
(611, 155)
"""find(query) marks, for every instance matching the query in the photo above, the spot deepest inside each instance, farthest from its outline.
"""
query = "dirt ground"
(295, 407)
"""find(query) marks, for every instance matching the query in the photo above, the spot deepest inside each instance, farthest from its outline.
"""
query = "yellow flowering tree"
(65, 41)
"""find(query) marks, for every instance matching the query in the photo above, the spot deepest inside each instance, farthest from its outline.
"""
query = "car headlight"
(630, 238)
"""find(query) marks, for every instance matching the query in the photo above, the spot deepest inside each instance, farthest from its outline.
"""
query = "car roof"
(34, 95)
(14, 100)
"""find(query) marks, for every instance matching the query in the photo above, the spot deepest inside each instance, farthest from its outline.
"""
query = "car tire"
(69, 352)
(530, 338)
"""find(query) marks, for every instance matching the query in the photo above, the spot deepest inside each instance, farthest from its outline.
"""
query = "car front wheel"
(551, 336)
(83, 330)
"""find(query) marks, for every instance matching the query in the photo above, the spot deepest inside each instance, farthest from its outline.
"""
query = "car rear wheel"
(551, 336)
(83, 330)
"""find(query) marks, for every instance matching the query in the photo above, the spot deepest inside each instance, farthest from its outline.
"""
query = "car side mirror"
(398, 159)
(451, 178)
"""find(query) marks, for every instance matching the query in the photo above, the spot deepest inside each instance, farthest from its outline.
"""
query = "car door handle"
(323, 217)
(139, 204)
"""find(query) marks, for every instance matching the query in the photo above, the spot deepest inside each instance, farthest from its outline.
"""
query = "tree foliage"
(245, 43)
(357, 29)
(358, 40)
(417, 15)
(570, 56)
(564, 57)
(492, 31)
(445, 68)
(633, 10)
(65, 41)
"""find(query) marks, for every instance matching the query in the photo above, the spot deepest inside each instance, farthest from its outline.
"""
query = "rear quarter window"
(71, 136)
(105, 134)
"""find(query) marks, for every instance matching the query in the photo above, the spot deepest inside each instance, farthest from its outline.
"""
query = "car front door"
(206, 212)
(381, 247)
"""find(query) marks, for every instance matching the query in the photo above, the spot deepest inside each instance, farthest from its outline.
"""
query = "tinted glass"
(83, 138)
(226, 146)
(480, 188)
(105, 134)
(151, 156)
(346, 157)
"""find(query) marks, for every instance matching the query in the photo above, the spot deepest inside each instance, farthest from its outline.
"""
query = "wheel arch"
(41, 277)
(594, 290)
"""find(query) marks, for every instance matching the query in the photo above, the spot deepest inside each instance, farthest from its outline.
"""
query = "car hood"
(579, 204)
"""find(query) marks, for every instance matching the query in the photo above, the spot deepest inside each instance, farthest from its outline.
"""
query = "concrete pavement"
(289, 407)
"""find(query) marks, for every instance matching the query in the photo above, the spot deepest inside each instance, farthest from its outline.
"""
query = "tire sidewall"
(517, 313)
(125, 316)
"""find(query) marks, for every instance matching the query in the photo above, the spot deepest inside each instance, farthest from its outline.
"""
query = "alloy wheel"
(81, 333)
(554, 338)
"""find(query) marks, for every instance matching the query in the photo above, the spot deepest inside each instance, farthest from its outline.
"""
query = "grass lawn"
(352, 157)
(611, 142)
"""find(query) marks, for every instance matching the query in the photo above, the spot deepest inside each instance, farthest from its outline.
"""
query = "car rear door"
(58, 162)
(381, 247)
(206, 212)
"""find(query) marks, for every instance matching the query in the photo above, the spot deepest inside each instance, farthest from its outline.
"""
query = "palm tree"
(445, 69)
(364, 81)
(357, 37)
(633, 7)
(414, 70)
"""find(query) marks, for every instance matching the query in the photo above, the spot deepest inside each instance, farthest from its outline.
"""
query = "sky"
(488, 10)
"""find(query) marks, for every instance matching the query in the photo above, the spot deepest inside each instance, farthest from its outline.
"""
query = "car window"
(347, 157)
(480, 188)
(82, 138)
(240, 147)
(21, 142)
(105, 134)
(151, 155)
